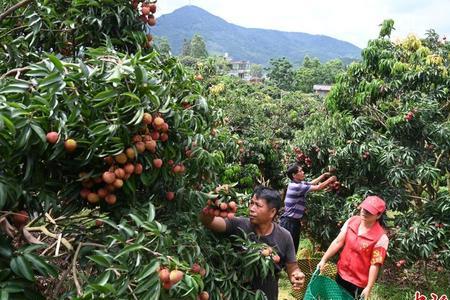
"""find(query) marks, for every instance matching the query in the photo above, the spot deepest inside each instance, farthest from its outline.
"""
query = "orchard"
(110, 150)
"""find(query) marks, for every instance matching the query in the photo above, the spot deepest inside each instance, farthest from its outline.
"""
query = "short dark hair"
(271, 196)
(292, 169)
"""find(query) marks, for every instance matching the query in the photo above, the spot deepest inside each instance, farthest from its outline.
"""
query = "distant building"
(256, 79)
(238, 68)
(321, 89)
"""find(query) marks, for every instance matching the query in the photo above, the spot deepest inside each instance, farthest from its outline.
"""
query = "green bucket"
(324, 288)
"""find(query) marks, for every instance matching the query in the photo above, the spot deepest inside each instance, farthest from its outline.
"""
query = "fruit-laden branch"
(14, 8)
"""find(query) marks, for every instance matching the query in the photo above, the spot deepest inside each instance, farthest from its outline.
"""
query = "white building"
(238, 68)
(321, 89)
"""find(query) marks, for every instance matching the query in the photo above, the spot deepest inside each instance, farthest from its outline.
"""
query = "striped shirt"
(295, 200)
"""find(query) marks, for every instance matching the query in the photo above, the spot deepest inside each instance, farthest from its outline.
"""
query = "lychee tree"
(30, 28)
(107, 156)
(387, 131)
(262, 124)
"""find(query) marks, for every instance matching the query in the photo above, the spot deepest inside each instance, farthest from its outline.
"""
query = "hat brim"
(369, 208)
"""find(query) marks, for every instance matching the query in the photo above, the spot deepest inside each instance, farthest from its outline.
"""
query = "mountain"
(255, 45)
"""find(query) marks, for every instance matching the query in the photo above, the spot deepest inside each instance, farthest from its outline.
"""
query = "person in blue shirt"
(295, 198)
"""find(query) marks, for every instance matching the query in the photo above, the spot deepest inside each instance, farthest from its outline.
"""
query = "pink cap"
(373, 204)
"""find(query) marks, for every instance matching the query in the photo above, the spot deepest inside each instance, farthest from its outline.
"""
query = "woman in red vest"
(364, 244)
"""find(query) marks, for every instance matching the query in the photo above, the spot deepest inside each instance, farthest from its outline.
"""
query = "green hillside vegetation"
(255, 45)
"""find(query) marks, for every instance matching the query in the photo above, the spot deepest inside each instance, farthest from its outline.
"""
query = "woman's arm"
(373, 275)
(337, 244)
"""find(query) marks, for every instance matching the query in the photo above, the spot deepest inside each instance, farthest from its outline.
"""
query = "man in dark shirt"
(263, 207)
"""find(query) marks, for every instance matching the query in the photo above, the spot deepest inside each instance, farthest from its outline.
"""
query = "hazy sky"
(355, 21)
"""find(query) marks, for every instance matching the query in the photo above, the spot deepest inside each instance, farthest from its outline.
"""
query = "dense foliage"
(387, 131)
(110, 149)
(107, 156)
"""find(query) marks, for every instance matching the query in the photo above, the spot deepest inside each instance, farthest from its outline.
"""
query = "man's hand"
(297, 280)
(216, 224)
(326, 174)
(205, 218)
(365, 294)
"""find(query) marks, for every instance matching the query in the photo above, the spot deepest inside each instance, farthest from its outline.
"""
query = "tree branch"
(45, 231)
(438, 159)
(61, 281)
(74, 271)
(14, 71)
(14, 8)
(74, 264)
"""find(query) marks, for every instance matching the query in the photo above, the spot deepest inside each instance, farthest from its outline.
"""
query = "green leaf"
(56, 152)
(58, 64)
(129, 249)
(14, 286)
(9, 124)
(41, 265)
(148, 270)
(253, 260)
(51, 79)
(111, 223)
(5, 249)
(85, 69)
(106, 288)
(38, 130)
(17, 86)
(102, 96)
(132, 96)
(31, 248)
(137, 119)
(153, 292)
(22, 267)
(114, 75)
(3, 195)
(147, 178)
(100, 260)
(141, 74)
(124, 229)
(136, 219)
(103, 279)
(151, 212)
(28, 168)
(23, 137)
(147, 285)
(103, 103)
